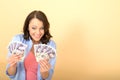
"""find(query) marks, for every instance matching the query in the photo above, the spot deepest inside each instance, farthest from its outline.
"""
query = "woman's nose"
(38, 31)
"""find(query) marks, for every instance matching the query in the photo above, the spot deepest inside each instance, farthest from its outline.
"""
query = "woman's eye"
(42, 28)
(33, 28)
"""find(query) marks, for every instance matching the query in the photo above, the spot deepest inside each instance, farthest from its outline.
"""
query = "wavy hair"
(42, 17)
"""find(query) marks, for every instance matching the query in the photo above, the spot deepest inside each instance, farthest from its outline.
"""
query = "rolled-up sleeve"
(51, 71)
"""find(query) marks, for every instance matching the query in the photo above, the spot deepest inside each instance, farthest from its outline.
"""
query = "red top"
(31, 67)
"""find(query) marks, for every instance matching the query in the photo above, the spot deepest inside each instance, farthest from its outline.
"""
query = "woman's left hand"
(44, 68)
(44, 65)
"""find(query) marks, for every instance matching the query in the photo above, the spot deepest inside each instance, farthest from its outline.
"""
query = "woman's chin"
(36, 40)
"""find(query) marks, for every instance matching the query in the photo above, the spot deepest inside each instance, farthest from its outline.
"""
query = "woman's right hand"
(13, 59)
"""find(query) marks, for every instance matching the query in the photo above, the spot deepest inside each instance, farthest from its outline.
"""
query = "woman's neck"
(35, 42)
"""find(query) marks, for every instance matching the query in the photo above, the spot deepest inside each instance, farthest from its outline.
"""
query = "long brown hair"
(42, 17)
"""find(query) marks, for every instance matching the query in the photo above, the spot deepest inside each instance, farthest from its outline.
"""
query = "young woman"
(35, 31)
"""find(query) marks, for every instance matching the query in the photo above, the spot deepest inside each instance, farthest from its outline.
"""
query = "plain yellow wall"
(87, 34)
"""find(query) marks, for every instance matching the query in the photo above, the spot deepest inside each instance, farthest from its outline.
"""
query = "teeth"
(37, 37)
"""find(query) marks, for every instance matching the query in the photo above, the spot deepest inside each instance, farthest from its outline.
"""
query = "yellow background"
(87, 34)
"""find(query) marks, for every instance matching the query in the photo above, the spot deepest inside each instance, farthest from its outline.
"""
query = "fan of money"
(43, 51)
(17, 47)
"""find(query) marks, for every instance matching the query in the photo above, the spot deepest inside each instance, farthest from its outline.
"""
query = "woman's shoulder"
(52, 43)
(18, 37)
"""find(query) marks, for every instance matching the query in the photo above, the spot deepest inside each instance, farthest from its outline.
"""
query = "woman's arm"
(12, 70)
(12, 60)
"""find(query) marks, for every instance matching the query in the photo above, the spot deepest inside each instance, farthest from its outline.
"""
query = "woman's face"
(36, 29)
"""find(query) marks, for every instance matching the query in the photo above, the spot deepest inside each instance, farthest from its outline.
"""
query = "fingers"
(13, 63)
(44, 65)
(13, 59)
